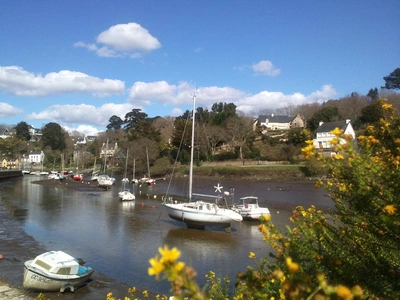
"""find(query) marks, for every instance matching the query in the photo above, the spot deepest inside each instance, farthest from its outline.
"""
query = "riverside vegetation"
(348, 253)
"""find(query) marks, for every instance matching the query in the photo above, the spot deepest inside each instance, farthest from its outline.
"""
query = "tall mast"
(192, 148)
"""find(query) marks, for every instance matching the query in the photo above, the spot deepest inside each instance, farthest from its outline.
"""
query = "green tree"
(144, 129)
(22, 131)
(373, 94)
(325, 114)
(392, 81)
(221, 112)
(133, 117)
(54, 136)
(372, 113)
(115, 122)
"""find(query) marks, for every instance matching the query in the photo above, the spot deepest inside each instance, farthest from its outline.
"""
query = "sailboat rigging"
(125, 193)
(199, 213)
(104, 180)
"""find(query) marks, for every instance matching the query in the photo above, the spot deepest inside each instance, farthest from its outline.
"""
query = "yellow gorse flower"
(252, 255)
(344, 292)
(169, 255)
(336, 131)
(390, 209)
(157, 266)
(292, 266)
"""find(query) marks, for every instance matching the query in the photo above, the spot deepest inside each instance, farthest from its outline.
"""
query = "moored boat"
(55, 271)
(249, 209)
(198, 213)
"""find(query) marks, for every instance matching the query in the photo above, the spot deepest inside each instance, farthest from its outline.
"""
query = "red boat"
(78, 177)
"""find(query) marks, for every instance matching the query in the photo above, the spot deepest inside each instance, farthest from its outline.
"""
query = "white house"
(323, 137)
(276, 122)
(36, 157)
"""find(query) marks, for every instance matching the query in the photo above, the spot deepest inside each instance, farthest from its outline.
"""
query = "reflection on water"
(118, 238)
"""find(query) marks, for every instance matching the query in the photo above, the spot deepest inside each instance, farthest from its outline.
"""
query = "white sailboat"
(104, 180)
(125, 193)
(147, 180)
(199, 213)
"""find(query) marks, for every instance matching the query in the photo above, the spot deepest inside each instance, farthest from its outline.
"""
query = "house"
(36, 134)
(80, 141)
(5, 132)
(9, 163)
(36, 157)
(111, 151)
(90, 138)
(323, 137)
(277, 122)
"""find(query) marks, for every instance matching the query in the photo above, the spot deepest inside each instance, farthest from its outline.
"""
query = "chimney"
(320, 123)
(347, 121)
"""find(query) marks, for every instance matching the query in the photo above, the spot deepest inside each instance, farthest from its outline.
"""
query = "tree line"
(222, 133)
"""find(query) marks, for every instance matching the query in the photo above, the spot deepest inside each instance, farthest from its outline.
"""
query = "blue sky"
(78, 63)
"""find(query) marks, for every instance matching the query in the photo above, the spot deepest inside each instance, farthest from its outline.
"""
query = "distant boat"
(78, 177)
(199, 213)
(55, 271)
(125, 193)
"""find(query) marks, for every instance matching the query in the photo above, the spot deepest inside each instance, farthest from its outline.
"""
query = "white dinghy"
(55, 271)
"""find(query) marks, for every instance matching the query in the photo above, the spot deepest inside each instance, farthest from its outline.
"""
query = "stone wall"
(10, 174)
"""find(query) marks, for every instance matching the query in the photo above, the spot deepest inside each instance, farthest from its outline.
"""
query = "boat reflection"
(128, 206)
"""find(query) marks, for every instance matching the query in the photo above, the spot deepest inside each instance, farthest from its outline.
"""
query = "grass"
(258, 172)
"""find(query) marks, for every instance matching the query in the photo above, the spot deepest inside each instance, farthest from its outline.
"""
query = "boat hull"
(254, 214)
(126, 196)
(38, 280)
(210, 215)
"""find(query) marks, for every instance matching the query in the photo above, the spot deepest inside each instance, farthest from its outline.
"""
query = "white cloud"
(181, 94)
(265, 67)
(123, 40)
(85, 129)
(82, 114)
(7, 110)
(15, 80)
(273, 100)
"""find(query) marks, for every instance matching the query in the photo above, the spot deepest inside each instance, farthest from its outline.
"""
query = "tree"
(373, 94)
(214, 135)
(144, 129)
(220, 112)
(115, 122)
(392, 81)
(325, 114)
(372, 113)
(22, 131)
(240, 129)
(133, 118)
(54, 136)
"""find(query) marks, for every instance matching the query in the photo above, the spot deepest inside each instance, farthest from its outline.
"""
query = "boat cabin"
(248, 202)
(57, 262)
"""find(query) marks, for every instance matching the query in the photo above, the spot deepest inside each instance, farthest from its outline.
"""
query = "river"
(118, 238)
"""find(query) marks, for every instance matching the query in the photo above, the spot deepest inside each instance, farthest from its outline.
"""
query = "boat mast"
(105, 157)
(148, 163)
(192, 148)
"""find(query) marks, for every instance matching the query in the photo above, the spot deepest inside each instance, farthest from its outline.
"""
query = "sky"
(78, 63)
